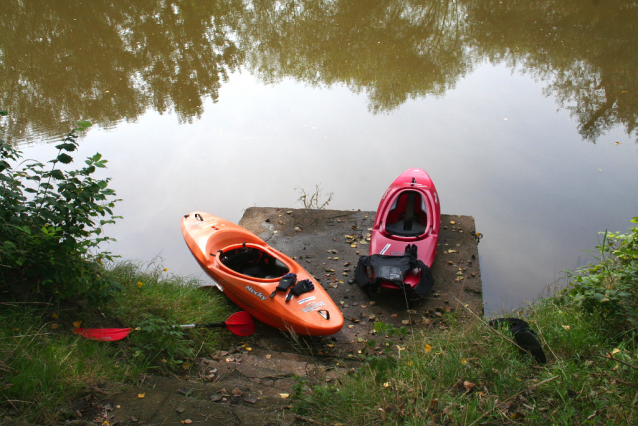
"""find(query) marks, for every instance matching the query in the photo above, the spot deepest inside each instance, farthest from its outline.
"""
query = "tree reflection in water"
(108, 62)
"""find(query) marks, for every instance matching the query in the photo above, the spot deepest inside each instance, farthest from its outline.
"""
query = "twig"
(306, 419)
(514, 396)
(618, 380)
(611, 357)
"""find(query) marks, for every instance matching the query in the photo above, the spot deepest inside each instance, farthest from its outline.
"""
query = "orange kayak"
(260, 279)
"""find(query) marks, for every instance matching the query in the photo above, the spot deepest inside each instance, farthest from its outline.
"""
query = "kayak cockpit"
(407, 216)
(253, 262)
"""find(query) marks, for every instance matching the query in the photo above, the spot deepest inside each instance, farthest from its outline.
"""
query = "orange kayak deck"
(248, 271)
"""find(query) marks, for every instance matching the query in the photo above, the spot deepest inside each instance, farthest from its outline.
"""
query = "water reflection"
(108, 62)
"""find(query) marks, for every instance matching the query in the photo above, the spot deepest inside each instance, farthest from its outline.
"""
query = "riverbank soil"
(328, 244)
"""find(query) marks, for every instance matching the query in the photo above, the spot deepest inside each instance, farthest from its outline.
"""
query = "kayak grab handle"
(324, 313)
(199, 217)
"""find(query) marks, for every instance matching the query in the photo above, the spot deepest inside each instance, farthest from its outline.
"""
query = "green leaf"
(57, 174)
(64, 158)
(67, 146)
(84, 124)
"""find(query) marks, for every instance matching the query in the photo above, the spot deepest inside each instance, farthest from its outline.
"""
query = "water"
(237, 105)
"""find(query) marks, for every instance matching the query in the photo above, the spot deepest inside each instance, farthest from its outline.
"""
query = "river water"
(523, 113)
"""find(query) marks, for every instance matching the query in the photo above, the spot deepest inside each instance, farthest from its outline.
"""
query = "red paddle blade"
(104, 334)
(240, 323)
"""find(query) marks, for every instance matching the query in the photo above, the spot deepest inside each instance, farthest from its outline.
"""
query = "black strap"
(426, 281)
(409, 213)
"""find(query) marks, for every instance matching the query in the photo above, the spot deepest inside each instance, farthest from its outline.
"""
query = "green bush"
(610, 286)
(51, 225)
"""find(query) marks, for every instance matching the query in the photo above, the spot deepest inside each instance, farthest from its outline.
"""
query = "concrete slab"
(328, 244)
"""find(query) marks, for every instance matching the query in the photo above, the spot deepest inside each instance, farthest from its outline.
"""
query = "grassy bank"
(474, 374)
(45, 367)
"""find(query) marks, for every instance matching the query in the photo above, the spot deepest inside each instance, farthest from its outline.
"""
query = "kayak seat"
(254, 263)
(398, 228)
(407, 216)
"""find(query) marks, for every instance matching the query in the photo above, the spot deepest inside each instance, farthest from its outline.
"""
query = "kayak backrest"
(407, 216)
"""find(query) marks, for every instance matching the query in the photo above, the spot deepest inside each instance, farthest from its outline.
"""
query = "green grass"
(155, 300)
(45, 367)
(473, 374)
(42, 368)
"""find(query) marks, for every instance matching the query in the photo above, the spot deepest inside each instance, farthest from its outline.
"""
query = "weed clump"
(51, 225)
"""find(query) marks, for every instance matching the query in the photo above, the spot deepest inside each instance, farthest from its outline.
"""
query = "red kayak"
(407, 224)
(266, 283)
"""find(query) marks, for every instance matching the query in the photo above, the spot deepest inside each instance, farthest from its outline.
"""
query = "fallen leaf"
(463, 361)
(187, 421)
(54, 316)
(141, 395)
(567, 327)
(468, 385)
(428, 348)
(237, 392)
(386, 385)
(140, 284)
(180, 409)
(54, 326)
(405, 322)
(77, 324)
(186, 365)
(284, 395)
(615, 351)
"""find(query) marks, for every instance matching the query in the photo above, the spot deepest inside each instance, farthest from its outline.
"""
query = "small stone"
(252, 399)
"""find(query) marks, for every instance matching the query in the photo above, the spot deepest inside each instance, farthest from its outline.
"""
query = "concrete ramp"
(328, 244)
